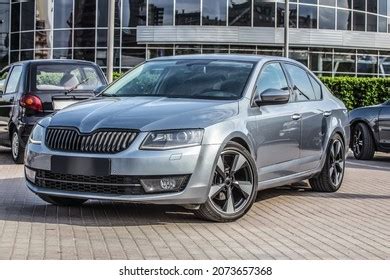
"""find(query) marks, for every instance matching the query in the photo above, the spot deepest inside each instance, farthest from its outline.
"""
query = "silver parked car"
(203, 131)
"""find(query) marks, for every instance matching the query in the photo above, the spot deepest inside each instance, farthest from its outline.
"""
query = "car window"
(66, 76)
(271, 77)
(302, 85)
(14, 79)
(3, 78)
(316, 87)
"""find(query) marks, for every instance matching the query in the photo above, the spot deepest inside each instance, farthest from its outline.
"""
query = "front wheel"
(363, 145)
(332, 174)
(233, 188)
(17, 150)
(61, 201)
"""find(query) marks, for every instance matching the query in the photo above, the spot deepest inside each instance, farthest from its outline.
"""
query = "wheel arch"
(370, 128)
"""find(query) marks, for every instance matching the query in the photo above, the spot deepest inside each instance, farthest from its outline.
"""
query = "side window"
(271, 77)
(302, 85)
(3, 78)
(14, 79)
(316, 87)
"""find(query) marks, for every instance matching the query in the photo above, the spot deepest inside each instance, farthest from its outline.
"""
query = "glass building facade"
(77, 29)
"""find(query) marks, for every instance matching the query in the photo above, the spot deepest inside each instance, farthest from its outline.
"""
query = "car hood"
(144, 113)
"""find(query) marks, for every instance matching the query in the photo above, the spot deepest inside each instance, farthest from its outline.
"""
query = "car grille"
(113, 184)
(101, 141)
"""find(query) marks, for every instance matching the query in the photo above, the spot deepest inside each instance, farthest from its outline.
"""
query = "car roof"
(232, 57)
(51, 61)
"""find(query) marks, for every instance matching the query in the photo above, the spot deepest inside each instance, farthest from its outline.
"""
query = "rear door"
(384, 126)
(308, 95)
(8, 99)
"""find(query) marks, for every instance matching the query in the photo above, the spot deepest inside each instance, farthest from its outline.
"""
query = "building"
(332, 37)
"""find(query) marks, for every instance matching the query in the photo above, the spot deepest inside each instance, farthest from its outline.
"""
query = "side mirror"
(99, 89)
(272, 97)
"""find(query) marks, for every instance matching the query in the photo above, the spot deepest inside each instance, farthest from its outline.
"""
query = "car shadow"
(380, 162)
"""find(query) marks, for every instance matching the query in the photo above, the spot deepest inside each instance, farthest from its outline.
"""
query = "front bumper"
(196, 161)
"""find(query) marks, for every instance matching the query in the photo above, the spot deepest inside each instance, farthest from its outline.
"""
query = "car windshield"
(185, 78)
(66, 76)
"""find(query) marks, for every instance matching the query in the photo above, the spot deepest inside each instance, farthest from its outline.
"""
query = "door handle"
(327, 114)
(296, 117)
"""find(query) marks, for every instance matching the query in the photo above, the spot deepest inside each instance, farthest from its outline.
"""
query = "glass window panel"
(344, 4)
(62, 53)
(152, 53)
(42, 54)
(84, 54)
(117, 38)
(187, 12)
(264, 13)
(187, 51)
(214, 12)
(383, 7)
(367, 64)
(302, 85)
(307, 16)
(359, 21)
(102, 13)
(327, 18)
(302, 57)
(382, 24)
(344, 20)
(293, 15)
(133, 13)
(360, 4)
(101, 57)
(15, 17)
(63, 16)
(42, 39)
(344, 63)
(28, 15)
(129, 38)
(372, 23)
(26, 55)
(372, 6)
(160, 12)
(132, 57)
(15, 41)
(4, 11)
(308, 1)
(102, 38)
(27, 40)
(240, 12)
(85, 13)
(14, 56)
(62, 39)
(328, 2)
(84, 38)
(321, 62)
(384, 65)
(43, 15)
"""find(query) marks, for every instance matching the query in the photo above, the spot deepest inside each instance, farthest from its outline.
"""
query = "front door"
(384, 126)
(279, 129)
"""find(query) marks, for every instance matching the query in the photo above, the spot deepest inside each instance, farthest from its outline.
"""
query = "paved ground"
(283, 224)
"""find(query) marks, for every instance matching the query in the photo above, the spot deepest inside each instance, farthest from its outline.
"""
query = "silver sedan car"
(202, 131)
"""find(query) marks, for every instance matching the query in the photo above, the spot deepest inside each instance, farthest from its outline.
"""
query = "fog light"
(30, 174)
(166, 184)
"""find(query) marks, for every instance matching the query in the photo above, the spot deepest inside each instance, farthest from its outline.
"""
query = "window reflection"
(132, 57)
(240, 12)
(84, 54)
(85, 13)
(27, 15)
(160, 12)
(102, 13)
(214, 12)
(344, 63)
(187, 12)
(133, 13)
(360, 4)
(293, 15)
(367, 64)
(345, 4)
(382, 24)
(42, 39)
(327, 18)
(43, 16)
(15, 17)
(63, 17)
(27, 40)
(62, 39)
(264, 13)
(84, 38)
(359, 21)
(62, 53)
(372, 23)
(343, 20)
(307, 16)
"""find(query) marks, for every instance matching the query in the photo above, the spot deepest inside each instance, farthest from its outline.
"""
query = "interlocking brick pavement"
(285, 223)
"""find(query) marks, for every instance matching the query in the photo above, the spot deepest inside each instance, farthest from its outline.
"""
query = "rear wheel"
(363, 146)
(17, 150)
(234, 186)
(61, 201)
(332, 174)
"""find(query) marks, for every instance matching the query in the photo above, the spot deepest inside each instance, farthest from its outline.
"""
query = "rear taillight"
(33, 102)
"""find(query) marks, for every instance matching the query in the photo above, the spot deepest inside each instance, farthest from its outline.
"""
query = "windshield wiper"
(76, 86)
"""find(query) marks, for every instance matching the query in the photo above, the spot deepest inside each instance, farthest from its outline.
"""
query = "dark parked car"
(370, 128)
(30, 90)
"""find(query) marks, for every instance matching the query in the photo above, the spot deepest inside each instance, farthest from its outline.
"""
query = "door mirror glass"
(272, 96)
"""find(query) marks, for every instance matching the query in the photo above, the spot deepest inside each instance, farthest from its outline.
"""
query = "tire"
(17, 151)
(332, 174)
(231, 195)
(61, 201)
(362, 143)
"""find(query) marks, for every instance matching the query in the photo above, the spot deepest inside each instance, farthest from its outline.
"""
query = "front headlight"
(37, 134)
(164, 140)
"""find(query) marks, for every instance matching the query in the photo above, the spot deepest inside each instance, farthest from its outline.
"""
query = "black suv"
(30, 90)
